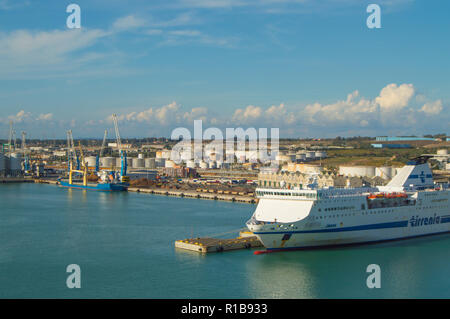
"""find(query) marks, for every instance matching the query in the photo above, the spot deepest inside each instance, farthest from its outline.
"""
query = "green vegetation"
(371, 157)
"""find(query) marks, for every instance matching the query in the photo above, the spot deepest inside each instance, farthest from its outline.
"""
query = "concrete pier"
(15, 180)
(213, 245)
(231, 196)
(195, 194)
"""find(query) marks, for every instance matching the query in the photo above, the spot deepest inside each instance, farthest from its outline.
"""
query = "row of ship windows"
(278, 184)
(307, 195)
(337, 208)
(370, 212)
(354, 214)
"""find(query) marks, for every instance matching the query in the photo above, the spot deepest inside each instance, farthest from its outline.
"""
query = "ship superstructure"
(410, 205)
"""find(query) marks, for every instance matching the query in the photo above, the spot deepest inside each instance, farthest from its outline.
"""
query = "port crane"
(83, 171)
(71, 152)
(26, 163)
(11, 139)
(100, 154)
(122, 152)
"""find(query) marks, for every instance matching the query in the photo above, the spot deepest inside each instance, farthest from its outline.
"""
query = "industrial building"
(11, 165)
(299, 157)
(442, 157)
(379, 145)
(292, 180)
(402, 138)
(385, 172)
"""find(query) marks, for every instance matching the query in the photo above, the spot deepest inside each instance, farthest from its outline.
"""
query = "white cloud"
(393, 97)
(21, 116)
(196, 113)
(153, 32)
(432, 108)
(182, 19)
(279, 114)
(249, 114)
(353, 115)
(353, 110)
(27, 117)
(165, 115)
(129, 22)
(24, 52)
(45, 117)
(189, 33)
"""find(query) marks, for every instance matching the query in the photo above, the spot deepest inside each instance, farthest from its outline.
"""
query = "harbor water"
(124, 245)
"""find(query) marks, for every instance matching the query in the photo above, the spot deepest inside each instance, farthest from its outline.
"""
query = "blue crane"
(97, 160)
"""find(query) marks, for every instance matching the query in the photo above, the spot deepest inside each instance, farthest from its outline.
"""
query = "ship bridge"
(280, 193)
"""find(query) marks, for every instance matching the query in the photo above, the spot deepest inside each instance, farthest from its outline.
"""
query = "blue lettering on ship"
(422, 221)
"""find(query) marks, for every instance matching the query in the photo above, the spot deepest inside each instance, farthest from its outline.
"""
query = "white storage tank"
(160, 162)
(310, 155)
(368, 171)
(212, 156)
(138, 162)
(141, 156)
(15, 162)
(91, 160)
(320, 154)
(166, 154)
(190, 164)
(385, 172)
(185, 156)
(107, 161)
(118, 161)
(225, 165)
(283, 158)
(170, 163)
(150, 163)
(212, 164)
(129, 162)
(203, 165)
(2, 163)
(292, 157)
(442, 152)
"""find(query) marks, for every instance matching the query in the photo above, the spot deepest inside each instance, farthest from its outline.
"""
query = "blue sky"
(311, 68)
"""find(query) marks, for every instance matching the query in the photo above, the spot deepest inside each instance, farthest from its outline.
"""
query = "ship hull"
(368, 233)
(410, 205)
(106, 187)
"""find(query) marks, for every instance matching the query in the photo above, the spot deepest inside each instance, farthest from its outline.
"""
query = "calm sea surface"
(124, 244)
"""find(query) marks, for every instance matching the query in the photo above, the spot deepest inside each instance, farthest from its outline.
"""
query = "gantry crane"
(11, 138)
(122, 152)
(100, 154)
(26, 163)
(83, 171)
(71, 152)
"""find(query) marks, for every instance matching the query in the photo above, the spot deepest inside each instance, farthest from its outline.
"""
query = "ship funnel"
(414, 175)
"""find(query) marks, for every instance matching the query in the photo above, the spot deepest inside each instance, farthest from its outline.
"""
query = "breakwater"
(200, 194)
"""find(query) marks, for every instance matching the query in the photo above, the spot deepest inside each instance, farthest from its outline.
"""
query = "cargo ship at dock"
(410, 205)
(95, 186)
(107, 180)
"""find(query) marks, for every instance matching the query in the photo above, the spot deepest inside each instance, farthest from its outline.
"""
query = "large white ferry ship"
(410, 205)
